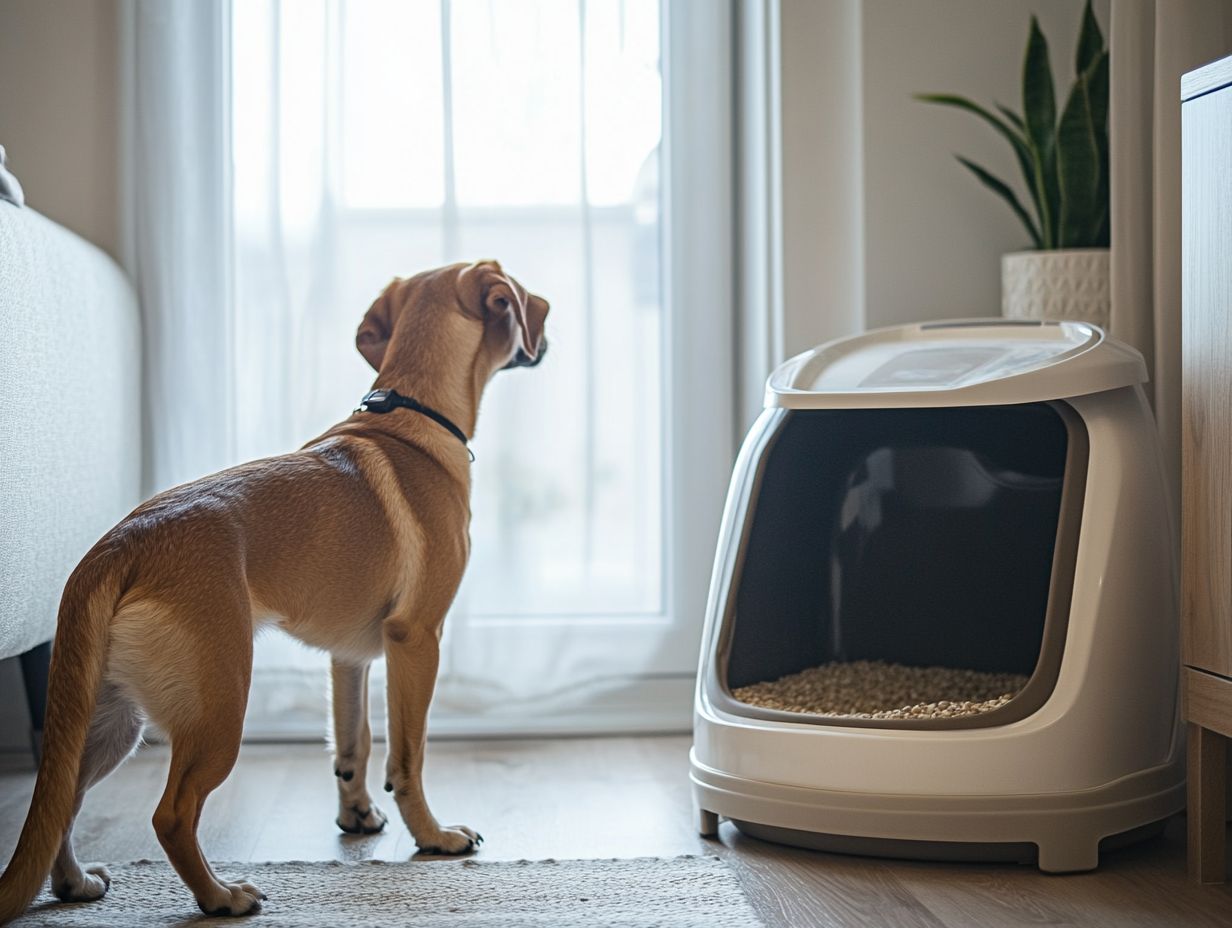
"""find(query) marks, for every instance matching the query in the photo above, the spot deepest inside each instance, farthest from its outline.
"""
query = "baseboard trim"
(658, 705)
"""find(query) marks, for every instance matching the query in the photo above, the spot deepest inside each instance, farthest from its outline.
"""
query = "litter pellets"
(878, 690)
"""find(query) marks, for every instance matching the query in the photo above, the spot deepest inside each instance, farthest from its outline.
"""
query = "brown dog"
(355, 544)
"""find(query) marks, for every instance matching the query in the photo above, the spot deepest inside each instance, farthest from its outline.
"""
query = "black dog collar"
(383, 401)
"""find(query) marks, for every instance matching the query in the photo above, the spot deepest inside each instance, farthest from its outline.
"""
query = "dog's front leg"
(357, 814)
(412, 658)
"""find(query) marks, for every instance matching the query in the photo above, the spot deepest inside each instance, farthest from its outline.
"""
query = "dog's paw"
(457, 839)
(357, 820)
(233, 899)
(93, 884)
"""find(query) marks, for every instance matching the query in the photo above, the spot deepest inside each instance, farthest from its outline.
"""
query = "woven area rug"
(679, 892)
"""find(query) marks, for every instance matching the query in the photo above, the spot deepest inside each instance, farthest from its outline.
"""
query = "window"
(380, 137)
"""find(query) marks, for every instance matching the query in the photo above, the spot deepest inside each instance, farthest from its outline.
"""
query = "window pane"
(392, 119)
(623, 94)
(516, 86)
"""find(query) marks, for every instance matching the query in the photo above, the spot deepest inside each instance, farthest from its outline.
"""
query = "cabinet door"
(1206, 522)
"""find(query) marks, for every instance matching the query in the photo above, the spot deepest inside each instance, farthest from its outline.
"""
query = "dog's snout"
(522, 359)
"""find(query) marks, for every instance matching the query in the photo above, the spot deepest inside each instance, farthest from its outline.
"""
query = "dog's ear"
(507, 296)
(489, 292)
(373, 336)
(536, 315)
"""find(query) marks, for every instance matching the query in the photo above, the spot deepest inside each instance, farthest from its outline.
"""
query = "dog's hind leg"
(200, 761)
(203, 713)
(357, 814)
(115, 729)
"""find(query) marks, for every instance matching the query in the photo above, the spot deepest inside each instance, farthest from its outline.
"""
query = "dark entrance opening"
(921, 537)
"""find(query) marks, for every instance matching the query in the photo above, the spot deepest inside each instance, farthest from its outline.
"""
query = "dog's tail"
(78, 659)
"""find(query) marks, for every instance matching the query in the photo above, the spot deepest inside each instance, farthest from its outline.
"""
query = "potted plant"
(1064, 163)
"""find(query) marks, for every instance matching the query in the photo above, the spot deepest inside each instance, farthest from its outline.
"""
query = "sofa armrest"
(70, 414)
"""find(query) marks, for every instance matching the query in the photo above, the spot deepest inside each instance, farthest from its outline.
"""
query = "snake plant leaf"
(1097, 84)
(999, 187)
(1064, 162)
(1090, 41)
(1008, 130)
(1078, 165)
(1013, 119)
(1025, 160)
(1011, 129)
(1039, 108)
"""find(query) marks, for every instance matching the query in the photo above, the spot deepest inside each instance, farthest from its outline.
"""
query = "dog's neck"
(450, 400)
(428, 371)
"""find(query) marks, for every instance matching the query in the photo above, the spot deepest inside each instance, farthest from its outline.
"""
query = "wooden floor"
(621, 797)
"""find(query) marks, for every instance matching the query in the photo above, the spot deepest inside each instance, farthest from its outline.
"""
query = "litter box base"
(1061, 833)
(939, 851)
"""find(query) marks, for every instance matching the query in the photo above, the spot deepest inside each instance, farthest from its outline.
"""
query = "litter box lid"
(964, 362)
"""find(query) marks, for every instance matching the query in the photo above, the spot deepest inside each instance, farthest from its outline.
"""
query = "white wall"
(822, 170)
(59, 110)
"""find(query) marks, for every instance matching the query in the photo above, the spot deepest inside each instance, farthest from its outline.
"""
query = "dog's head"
(493, 316)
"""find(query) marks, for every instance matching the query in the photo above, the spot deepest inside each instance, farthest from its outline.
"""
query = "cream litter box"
(942, 620)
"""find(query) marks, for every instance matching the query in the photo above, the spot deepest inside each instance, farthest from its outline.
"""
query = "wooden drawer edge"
(1208, 700)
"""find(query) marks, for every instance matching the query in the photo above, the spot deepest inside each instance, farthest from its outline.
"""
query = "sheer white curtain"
(342, 142)
(176, 231)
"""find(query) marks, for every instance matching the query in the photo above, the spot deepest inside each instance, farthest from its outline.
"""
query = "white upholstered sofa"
(70, 422)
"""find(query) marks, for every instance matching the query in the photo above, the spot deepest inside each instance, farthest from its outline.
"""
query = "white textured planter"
(1056, 285)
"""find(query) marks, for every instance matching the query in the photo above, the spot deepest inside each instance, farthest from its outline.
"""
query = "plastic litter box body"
(980, 494)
